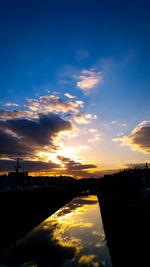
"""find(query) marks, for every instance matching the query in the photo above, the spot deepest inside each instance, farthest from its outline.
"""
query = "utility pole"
(17, 167)
(146, 166)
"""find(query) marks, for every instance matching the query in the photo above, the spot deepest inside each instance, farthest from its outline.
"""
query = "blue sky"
(54, 47)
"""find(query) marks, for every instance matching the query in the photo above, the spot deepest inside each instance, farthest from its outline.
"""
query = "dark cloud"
(31, 166)
(73, 165)
(141, 138)
(24, 136)
(79, 166)
(11, 146)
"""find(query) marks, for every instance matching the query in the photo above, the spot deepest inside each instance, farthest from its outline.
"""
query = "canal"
(72, 236)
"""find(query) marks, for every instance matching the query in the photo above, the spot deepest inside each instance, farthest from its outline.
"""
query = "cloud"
(82, 117)
(75, 166)
(79, 166)
(11, 146)
(93, 130)
(88, 80)
(11, 104)
(31, 166)
(39, 131)
(101, 235)
(26, 137)
(85, 260)
(95, 135)
(120, 134)
(69, 96)
(122, 124)
(95, 138)
(139, 139)
(54, 103)
(8, 114)
(119, 124)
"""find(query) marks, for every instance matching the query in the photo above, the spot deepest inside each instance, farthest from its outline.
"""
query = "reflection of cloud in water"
(76, 203)
(98, 245)
(73, 236)
(41, 247)
(67, 241)
(88, 260)
(101, 235)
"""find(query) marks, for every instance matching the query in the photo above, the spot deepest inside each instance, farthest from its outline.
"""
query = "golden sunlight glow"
(123, 166)
(71, 152)
(64, 151)
(67, 150)
(50, 157)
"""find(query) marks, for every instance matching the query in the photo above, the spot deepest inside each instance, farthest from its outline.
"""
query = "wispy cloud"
(96, 137)
(88, 80)
(119, 124)
(120, 134)
(122, 124)
(69, 95)
(82, 117)
(93, 130)
(11, 104)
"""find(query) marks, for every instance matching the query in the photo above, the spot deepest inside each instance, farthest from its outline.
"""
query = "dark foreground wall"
(127, 229)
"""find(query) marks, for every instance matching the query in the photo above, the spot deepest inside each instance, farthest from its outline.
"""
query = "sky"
(74, 85)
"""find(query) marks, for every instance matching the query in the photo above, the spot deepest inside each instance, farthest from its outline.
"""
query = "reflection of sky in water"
(73, 236)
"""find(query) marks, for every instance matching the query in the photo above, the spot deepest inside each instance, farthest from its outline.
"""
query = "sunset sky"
(74, 85)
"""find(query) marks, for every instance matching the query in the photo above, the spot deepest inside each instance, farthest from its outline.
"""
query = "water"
(73, 236)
